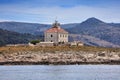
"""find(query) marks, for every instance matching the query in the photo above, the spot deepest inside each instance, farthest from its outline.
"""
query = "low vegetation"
(34, 42)
(56, 48)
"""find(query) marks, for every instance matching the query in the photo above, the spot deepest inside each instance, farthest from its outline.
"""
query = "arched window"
(51, 35)
(65, 35)
(60, 35)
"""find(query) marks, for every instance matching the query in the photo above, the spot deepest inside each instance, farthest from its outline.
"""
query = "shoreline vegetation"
(58, 55)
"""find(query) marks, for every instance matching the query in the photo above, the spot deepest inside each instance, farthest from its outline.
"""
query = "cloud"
(2, 20)
(74, 14)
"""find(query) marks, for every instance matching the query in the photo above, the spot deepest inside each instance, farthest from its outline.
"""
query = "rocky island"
(58, 55)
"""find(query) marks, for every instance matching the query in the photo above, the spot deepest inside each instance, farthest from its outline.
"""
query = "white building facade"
(56, 34)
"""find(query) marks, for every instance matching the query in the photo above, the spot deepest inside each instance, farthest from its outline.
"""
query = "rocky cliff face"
(60, 57)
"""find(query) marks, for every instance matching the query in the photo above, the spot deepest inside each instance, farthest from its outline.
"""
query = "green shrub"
(34, 42)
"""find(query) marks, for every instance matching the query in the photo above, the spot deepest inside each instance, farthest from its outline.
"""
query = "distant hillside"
(32, 28)
(114, 24)
(94, 31)
(8, 37)
(98, 29)
(90, 40)
(22, 27)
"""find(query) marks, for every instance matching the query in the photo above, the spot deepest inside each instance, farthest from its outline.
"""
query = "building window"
(65, 35)
(51, 35)
(60, 35)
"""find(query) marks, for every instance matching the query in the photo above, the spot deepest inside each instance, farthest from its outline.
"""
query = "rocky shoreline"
(59, 63)
(59, 58)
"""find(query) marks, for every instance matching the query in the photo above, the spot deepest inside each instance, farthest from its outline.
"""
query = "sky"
(65, 11)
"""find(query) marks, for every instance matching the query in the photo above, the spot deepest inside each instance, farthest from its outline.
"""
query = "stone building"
(56, 34)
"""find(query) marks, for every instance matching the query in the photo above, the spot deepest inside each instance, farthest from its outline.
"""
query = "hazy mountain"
(90, 40)
(114, 24)
(32, 28)
(9, 37)
(22, 27)
(70, 25)
(98, 29)
(93, 31)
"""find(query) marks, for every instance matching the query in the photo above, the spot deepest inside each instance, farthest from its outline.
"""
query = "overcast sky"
(66, 11)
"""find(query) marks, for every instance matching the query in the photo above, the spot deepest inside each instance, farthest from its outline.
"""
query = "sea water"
(60, 72)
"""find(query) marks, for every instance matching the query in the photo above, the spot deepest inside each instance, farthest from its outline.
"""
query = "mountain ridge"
(10, 37)
(106, 32)
(99, 29)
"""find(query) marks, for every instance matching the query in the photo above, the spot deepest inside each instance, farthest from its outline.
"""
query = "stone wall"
(56, 37)
(60, 57)
(51, 37)
(62, 37)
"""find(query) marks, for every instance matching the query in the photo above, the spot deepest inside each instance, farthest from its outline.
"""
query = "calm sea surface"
(60, 72)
